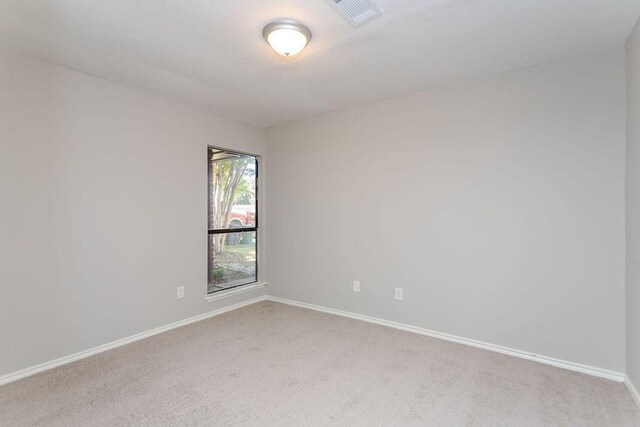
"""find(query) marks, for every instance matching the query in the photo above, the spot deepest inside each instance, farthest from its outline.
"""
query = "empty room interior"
(320, 212)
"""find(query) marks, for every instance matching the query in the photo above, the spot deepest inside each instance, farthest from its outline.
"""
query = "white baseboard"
(590, 370)
(632, 390)
(585, 369)
(14, 376)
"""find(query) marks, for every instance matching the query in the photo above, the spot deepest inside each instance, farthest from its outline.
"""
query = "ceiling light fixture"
(287, 37)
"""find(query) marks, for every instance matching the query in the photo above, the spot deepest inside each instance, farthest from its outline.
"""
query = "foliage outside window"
(233, 221)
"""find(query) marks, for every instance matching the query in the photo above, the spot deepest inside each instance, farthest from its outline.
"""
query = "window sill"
(240, 289)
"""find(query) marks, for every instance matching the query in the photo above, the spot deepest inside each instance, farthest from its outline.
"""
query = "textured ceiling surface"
(211, 54)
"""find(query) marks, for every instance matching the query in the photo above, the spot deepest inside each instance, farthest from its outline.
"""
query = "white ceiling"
(210, 53)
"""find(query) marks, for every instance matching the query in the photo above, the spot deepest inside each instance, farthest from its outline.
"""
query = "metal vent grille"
(357, 12)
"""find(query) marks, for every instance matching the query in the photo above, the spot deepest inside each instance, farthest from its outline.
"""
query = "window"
(233, 219)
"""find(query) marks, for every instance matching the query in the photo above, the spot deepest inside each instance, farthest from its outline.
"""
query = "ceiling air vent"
(357, 12)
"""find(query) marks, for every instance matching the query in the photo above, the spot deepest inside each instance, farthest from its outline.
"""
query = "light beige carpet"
(271, 364)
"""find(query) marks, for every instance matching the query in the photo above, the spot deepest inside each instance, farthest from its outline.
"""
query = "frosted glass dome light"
(286, 37)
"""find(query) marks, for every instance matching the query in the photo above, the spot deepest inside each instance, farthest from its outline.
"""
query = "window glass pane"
(232, 205)
(232, 193)
(234, 262)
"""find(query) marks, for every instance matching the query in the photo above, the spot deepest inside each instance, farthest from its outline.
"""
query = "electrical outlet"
(356, 286)
(180, 293)
(399, 294)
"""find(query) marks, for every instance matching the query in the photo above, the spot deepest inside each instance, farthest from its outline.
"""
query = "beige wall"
(633, 207)
(497, 204)
(103, 210)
